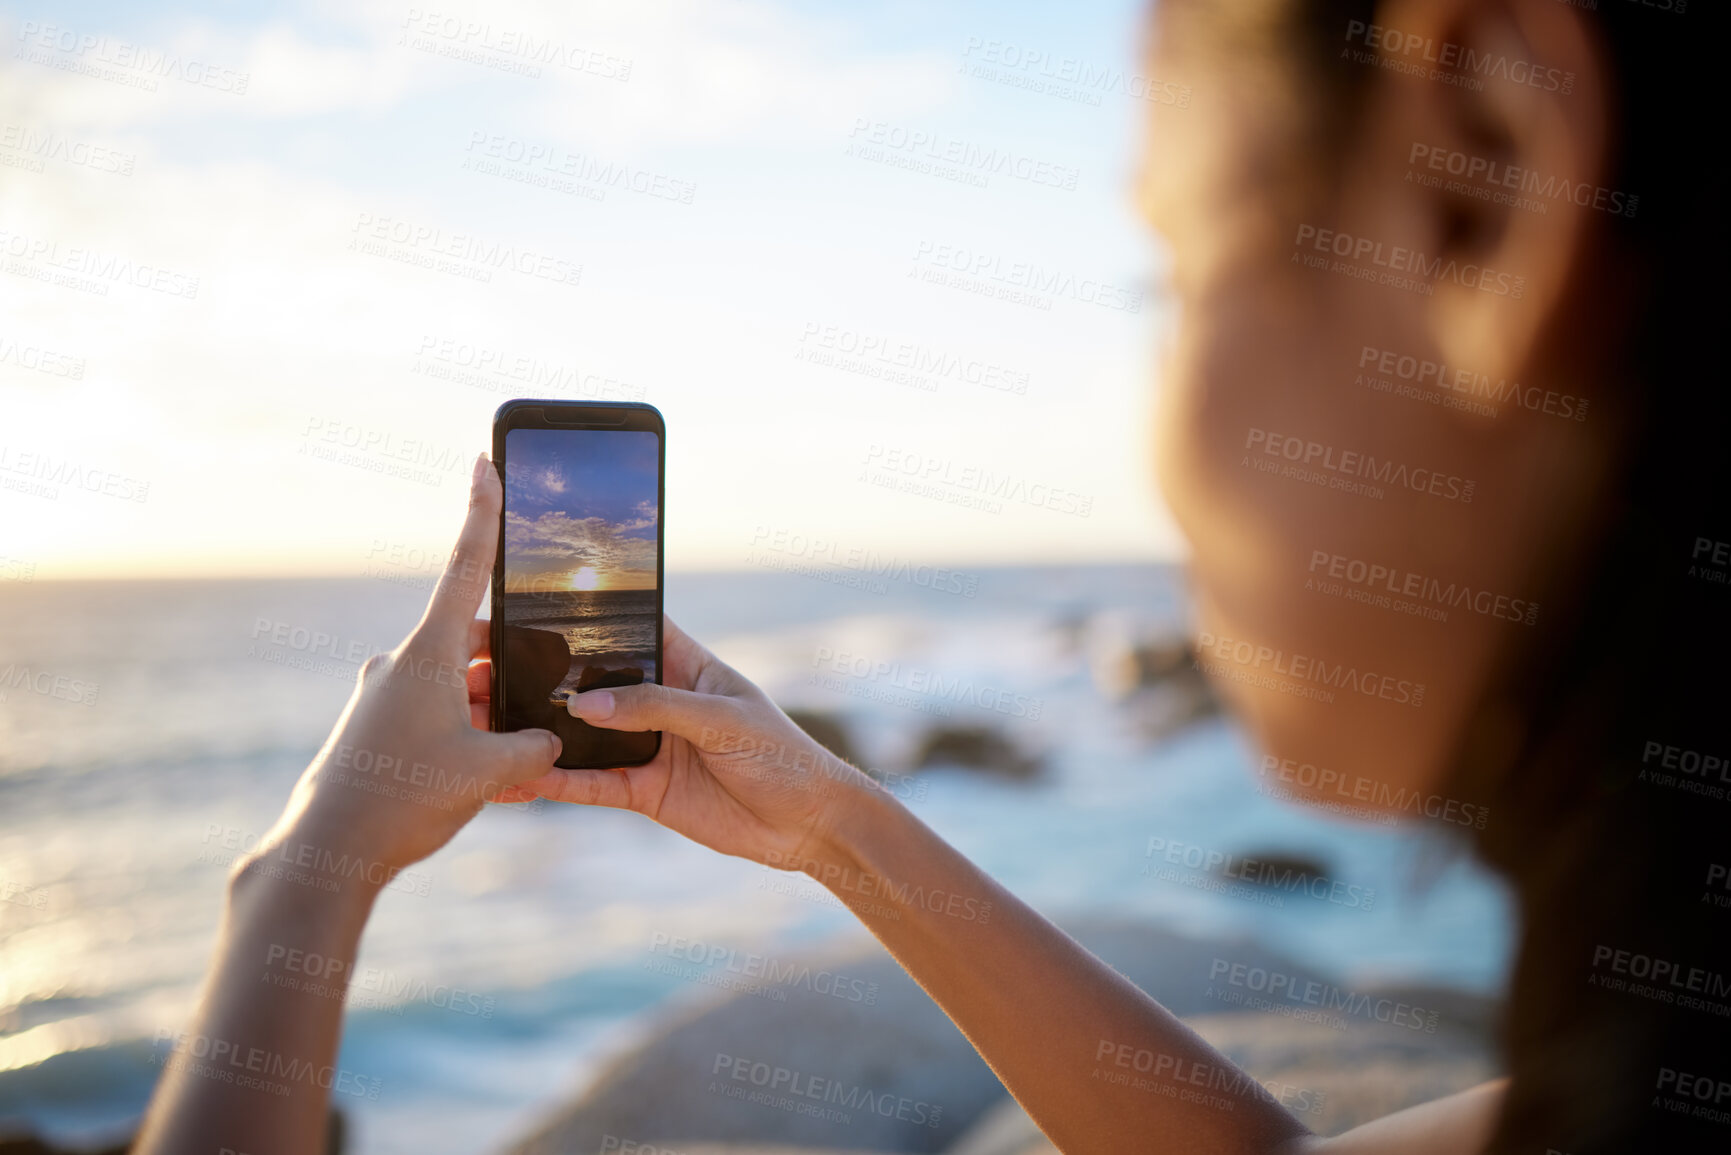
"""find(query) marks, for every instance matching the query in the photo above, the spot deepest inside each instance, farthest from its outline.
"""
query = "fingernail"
(479, 471)
(594, 706)
(558, 746)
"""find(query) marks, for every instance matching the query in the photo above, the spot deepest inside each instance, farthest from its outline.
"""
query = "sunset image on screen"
(580, 510)
(580, 607)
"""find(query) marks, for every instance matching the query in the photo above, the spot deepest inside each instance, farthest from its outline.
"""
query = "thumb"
(522, 755)
(698, 718)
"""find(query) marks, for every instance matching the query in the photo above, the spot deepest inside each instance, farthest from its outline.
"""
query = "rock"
(1274, 868)
(535, 662)
(30, 1145)
(605, 677)
(1332, 1081)
(975, 748)
(882, 1041)
(1336, 1080)
(1155, 678)
(898, 1048)
(11, 1143)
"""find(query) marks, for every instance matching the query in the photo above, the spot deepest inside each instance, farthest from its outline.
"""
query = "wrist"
(297, 863)
(859, 817)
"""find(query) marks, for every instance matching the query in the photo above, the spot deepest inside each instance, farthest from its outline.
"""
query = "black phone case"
(517, 657)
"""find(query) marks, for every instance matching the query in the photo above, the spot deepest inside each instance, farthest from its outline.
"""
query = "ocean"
(150, 730)
(612, 627)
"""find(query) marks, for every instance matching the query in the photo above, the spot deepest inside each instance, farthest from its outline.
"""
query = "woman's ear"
(1492, 117)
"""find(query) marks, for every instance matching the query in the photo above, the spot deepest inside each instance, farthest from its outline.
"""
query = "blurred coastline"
(1040, 718)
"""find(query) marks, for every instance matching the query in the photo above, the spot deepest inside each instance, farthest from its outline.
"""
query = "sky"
(580, 509)
(267, 271)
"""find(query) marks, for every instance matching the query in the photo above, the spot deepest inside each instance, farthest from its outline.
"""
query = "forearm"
(1057, 1025)
(255, 1069)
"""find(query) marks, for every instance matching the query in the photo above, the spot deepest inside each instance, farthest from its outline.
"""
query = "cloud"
(646, 513)
(569, 542)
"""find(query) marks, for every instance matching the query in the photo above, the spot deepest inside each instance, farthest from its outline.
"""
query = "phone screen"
(578, 593)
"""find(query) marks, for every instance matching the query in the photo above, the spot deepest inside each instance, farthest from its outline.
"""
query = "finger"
(451, 612)
(481, 715)
(480, 638)
(652, 707)
(689, 665)
(521, 755)
(480, 681)
(584, 788)
(510, 794)
(685, 658)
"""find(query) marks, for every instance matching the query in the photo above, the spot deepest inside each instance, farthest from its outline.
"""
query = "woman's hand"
(411, 761)
(734, 773)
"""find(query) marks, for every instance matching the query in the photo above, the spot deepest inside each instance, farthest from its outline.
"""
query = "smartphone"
(577, 582)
